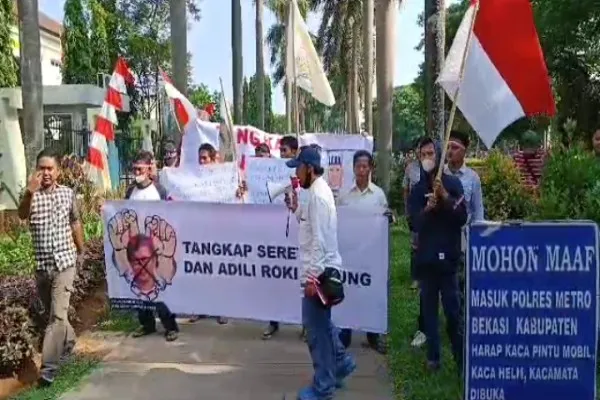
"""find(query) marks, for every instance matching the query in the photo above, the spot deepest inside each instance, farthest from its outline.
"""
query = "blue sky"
(209, 41)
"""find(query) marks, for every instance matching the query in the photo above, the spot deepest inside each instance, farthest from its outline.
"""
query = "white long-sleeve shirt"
(317, 236)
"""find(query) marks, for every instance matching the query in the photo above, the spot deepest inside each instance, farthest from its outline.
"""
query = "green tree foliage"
(112, 23)
(76, 46)
(200, 96)
(8, 64)
(408, 115)
(100, 51)
(251, 107)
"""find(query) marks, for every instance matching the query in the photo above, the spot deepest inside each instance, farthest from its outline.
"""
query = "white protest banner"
(337, 156)
(235, 260)
(215, 183)
(248, 137)
(259, 171)
(196, 134)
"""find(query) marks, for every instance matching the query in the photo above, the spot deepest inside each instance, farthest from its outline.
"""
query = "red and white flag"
(505, 76)
(184, 110)
(104, 131)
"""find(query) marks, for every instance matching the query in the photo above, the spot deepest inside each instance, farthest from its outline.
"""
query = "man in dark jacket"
(437, 213)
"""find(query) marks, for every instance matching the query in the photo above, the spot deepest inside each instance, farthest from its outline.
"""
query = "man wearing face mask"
(170, 157)
(319, 253)
(146, 189)
(437, 213)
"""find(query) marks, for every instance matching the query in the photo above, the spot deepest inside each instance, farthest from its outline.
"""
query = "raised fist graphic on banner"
(146, 260)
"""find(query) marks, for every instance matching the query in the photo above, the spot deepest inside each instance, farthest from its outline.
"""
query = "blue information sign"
(532, 311)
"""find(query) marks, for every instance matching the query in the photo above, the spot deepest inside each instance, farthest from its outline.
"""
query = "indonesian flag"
(505, 76)
(184, 110)
(104, 131)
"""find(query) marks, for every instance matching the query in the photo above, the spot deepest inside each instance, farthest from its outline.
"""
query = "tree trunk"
(435, 39)
(368, 21)
(179, 48)
(355, 95)
(260, 64)
(236, 49)
(31, 81)
(385, 15)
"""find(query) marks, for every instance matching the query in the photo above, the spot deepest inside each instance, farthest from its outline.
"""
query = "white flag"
(303, 61)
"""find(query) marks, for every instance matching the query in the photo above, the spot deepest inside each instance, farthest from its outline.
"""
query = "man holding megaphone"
(321, 283)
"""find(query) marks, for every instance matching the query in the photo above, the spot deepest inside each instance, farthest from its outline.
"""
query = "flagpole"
(230, 129)
(461, 74)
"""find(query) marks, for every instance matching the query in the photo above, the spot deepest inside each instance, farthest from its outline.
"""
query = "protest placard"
(259, 171)
(236, 261)
(216, 183)
(532, 311)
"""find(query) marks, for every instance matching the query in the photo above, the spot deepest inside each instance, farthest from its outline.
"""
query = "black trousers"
(167, 318)
(346, 337)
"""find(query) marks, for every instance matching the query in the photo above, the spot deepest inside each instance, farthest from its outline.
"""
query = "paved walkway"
(230, 362)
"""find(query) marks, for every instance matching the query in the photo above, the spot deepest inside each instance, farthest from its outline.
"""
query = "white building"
(51, 50)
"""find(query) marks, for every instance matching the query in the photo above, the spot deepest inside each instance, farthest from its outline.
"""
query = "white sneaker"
(419, 339)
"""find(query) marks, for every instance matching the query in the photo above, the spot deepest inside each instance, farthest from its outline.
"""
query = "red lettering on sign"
(242, 136)
(255, 141)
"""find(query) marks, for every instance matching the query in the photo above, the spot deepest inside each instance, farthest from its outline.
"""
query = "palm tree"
(238, 62)
(385, 15)
(260, 63)
(179, 56)
(340, 41)
(31, 81)
(368, 21)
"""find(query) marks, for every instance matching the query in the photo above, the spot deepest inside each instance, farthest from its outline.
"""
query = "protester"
(319, 250)
(207, 155)
(287, 149)
(365, 195)
(437, 213)
(146, 189)
(412, 175)
(170, 156)
(530, 159)
(596, 142)
(57, 236)
(457, 148)
(262, 151)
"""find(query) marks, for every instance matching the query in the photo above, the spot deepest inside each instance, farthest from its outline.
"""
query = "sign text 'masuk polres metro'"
(531, 311)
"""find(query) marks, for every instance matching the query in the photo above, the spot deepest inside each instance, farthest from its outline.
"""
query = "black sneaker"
(270, 332)
(171, 336)
(44, 382)
(141, 331)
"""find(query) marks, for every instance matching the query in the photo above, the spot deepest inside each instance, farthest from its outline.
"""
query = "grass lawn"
(68, 378)
(119, 321)
(407, 365)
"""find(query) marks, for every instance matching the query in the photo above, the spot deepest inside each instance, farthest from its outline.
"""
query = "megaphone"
(274, 190)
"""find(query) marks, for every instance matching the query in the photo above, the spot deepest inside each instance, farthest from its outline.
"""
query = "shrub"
(396, 196)
(16, 255)
(17, 339)
(504, 195)
(570, 187)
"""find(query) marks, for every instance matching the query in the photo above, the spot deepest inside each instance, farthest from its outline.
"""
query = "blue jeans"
(432, 288)
(326, 350)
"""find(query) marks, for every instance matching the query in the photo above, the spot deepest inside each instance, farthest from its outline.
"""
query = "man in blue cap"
(319, 251)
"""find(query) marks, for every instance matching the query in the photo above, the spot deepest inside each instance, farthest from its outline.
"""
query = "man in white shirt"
(319, 251)
(146, 189)
(365, 195)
